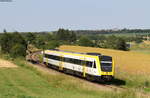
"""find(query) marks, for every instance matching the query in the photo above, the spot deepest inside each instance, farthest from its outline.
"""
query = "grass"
(28, 82)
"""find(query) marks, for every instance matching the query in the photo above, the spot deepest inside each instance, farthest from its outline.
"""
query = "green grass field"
(23, 83)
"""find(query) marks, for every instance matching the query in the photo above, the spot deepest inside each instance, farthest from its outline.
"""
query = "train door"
(84, 67)
(93, 70)
(90, 67)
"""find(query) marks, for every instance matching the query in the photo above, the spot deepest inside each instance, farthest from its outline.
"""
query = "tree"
(40, 42)
(110, 42)
(19, 45)
(52, 44)
(6, 42)
(65, 36)
(13, 44)
(48, 37)
(121, 44)
(18, 38)
(30, 38)
(18, 50)
(84, 41)
(72, 37)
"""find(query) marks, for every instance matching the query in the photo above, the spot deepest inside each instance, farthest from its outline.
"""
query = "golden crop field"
(132, 62)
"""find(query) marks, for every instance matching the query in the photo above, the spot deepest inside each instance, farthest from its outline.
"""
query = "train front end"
(106, 67)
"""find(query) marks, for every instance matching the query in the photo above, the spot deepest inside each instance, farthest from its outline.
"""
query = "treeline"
(111, 42)
(111, 31)
(16, 44)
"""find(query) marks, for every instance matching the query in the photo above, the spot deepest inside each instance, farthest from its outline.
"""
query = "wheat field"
(132, 62)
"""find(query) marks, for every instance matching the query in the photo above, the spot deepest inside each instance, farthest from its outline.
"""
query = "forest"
(16, 43)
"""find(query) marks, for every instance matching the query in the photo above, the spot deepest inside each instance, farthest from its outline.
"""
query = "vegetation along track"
(34, 59)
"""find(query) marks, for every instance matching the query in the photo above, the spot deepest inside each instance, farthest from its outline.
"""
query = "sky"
(50, 15)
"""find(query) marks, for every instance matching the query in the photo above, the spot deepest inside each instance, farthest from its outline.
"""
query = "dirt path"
(6, 64)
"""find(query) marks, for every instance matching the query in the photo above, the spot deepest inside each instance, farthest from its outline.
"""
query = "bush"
(6, 42)
(52, 44)
(18, 50)
(121, 44)
(13, 44)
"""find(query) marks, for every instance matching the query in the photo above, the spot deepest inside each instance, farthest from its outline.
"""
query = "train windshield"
(106, 63)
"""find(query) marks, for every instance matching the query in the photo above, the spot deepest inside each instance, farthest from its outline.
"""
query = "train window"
(94, 66)
(83, 62)
(89, 64)
(52, 57)
(76, 61)
(46, 55)
(57, 58)
(71, 60)
(106, 58)
(66, 60)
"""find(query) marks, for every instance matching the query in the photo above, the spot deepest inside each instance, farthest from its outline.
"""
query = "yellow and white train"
(92, 66)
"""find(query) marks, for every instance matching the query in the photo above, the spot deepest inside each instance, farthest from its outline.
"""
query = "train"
(92, 66)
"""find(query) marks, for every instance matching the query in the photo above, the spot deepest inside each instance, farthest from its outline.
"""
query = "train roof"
(89, 53)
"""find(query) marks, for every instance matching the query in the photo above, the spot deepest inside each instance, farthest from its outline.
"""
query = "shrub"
(13, 44)
(18, 50)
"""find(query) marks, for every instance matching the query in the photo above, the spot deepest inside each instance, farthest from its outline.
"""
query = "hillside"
(26, 81)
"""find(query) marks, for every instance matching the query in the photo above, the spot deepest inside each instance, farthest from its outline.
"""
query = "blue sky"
(49, 15)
